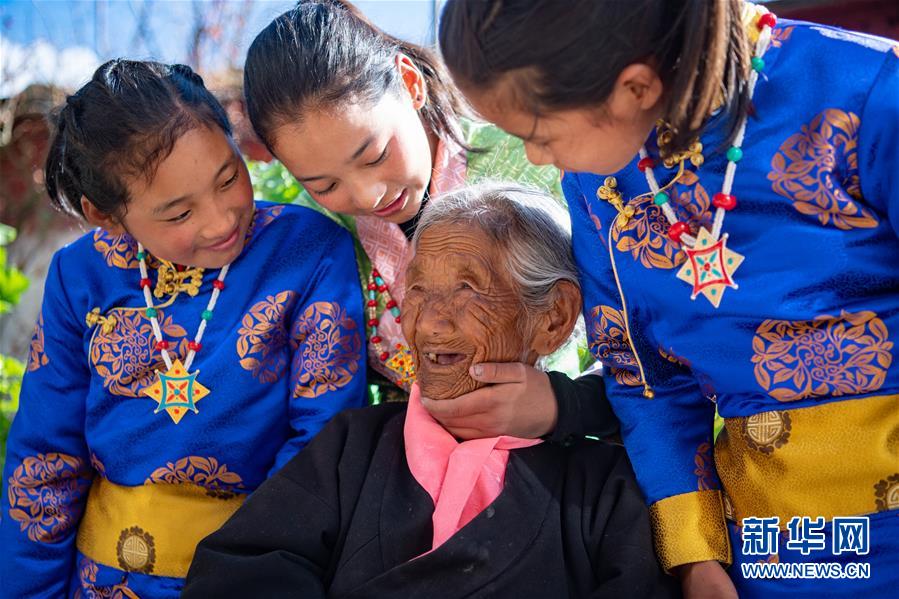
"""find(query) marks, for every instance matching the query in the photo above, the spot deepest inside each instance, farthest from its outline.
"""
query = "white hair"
(530, 227)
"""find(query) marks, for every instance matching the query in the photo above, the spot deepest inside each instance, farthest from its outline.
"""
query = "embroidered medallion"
(767, 431)
(136, 550)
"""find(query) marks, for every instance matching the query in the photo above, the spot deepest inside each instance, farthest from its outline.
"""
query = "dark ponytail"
(326, 51)
(568, 55)
(120, 126)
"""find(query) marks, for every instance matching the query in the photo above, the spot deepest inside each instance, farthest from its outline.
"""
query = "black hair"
(325, 51)
(121, 125)
(561, 55)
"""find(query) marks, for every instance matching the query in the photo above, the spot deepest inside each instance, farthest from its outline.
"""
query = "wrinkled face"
(361, 159)
(197, 209)
(578, 140)
(461, 308)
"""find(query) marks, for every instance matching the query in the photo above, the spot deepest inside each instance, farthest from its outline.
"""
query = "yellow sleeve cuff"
(690, 528)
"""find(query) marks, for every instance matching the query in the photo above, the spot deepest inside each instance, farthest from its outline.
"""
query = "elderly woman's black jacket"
(346, 518)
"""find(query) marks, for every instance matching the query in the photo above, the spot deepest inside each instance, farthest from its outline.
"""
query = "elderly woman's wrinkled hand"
(519, 401)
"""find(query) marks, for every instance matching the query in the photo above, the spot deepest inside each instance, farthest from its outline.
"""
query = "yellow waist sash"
(836, 459)
(153, 529)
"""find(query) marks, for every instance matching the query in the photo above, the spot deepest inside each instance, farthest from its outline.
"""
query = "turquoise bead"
(371, 295)
(660, 199)
(395, 311)
(206, 315)
(758, 64)
(379, 281)
(735, 154)
(151, 312)
(141, 255)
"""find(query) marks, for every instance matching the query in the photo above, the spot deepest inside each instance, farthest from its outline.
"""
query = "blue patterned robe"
(801, 361)
(282, 354)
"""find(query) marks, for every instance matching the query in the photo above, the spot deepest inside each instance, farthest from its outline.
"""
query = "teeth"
(432, 357)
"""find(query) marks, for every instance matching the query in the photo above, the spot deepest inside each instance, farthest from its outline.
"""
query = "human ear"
(96, 218)
(413, 80)
(555, 325)
(637, 90)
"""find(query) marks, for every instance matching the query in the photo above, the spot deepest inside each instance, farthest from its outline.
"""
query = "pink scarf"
(461, 478)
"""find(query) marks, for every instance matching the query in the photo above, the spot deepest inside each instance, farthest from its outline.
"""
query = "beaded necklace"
(400, 362)
(710, 263)
(176, 390)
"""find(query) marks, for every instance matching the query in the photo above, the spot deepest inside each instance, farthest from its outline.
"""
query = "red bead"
(397, 320)
(678, 229)
(645, 163)
(194, 346)
(220, 285)
(375, 339)
(382, 288)
(375, 273)
(373, 322)
(161, 345)
(372, 287)
(391, 304)
(372, 303)
(725, 201)
(384, 356)
(767, 19)
(144, 283)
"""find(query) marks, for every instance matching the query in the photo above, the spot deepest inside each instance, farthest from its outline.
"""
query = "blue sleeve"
(327, 370)
(879, 142)
(664, 427)
(48, 469)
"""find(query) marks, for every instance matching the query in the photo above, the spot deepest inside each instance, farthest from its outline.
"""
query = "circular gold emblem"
(136, 550)
(887, 493)
(767, 431)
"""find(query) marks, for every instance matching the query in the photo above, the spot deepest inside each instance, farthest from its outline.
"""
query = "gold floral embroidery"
(126, 358)
(263, 336)
(327, 349)
(263, 218)
(203, 472)
(705, 468)
(44, 493)
(87, 572)
(779, 35)
(887, 493)
(817, 169)
(610, 345)
(119, 251)
(828, 356)
(36, 356)
(98, 465)
(645, 234)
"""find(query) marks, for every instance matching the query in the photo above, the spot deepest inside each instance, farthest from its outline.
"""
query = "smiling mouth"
(395, 206)
(443, 359)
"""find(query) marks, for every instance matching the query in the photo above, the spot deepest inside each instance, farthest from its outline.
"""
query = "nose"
(434, 319)
(537, 155)
(220, 225)
(366, 192)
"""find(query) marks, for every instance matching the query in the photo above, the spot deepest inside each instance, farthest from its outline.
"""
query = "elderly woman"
(385, 502)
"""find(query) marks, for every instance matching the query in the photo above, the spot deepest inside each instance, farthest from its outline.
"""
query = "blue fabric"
(282, 354)
(818, 193)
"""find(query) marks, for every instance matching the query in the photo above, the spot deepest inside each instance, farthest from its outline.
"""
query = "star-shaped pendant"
(710, 267)
(401, 363)
(176, 391)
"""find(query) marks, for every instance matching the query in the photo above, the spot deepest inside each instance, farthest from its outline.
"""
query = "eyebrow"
(159, 210)
(353, 158)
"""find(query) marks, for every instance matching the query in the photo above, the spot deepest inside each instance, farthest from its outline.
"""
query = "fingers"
(499, 372)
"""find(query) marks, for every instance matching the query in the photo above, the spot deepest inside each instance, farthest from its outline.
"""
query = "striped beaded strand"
(723, 201)
(218, 285)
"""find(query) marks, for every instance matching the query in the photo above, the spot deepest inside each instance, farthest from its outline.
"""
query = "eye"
(380, 158)
(180, 218)
(465, 286)
(326, 190)
(232, 180)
